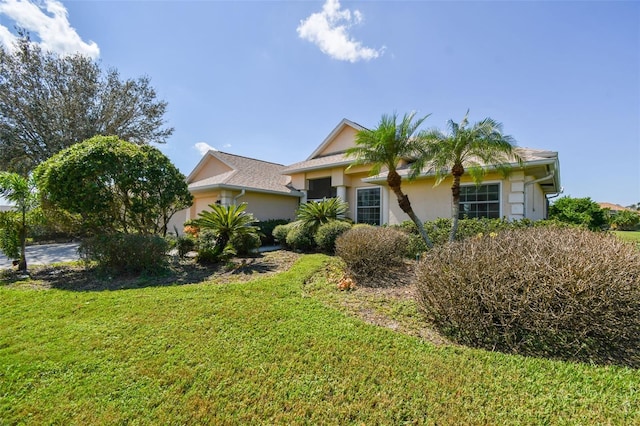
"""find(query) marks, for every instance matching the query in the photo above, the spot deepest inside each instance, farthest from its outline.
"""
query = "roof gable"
(209, 165)
(340, 138)
(222, 170)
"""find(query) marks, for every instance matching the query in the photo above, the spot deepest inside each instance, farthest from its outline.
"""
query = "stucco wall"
(211, 167)
(268, 206)
(341, 141)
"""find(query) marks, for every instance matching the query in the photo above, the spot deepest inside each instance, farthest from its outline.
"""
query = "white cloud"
(329, 31)
(203, 147)
(48, 19)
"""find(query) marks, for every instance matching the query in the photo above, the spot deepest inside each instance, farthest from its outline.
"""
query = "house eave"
(217, 186)
(318, 167)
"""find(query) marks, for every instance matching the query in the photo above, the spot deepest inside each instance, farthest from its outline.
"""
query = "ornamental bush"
(126, 253)
(327, 234)
(563, 293)
(280, 233)
(300, 237)
(266, 230)
(370, 251)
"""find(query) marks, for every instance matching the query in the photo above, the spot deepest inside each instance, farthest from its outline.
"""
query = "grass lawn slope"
(266, 352)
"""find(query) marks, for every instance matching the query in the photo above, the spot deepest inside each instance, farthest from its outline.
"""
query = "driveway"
(46, 254)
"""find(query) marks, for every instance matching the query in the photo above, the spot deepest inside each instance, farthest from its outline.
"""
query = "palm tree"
(468, 149)
(385, 146)
(227, 222)
(21, 192)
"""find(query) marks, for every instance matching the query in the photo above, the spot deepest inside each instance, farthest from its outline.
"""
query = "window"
(368, 205)
(320, 188)
(480, 201)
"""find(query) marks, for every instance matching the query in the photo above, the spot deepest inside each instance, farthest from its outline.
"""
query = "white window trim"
(490, 182)
(381, 201)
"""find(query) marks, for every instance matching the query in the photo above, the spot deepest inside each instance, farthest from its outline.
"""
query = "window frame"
(487, 183)
(357, 212)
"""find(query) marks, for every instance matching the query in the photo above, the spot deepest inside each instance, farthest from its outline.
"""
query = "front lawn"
(269, 351)
(628, 235)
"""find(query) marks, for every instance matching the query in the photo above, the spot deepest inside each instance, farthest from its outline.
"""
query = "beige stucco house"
(273, 191)
(229, 179)
(326, 173)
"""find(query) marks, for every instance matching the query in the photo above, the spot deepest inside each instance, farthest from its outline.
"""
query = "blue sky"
(271, 79)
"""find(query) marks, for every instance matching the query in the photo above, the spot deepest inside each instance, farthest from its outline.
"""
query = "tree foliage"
(114, 185)
(578, 211)
(49, 102)
(465, 148)
(385, 147)
(625, 220)
(20, 191)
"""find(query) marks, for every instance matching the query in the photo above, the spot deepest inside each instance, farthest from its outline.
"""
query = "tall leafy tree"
(50, 102)
(20, 191)
(467, 148)
(385, 147)
(115, 186)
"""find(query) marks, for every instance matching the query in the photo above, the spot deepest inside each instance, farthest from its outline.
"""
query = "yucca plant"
(315, 213)
(226, 222)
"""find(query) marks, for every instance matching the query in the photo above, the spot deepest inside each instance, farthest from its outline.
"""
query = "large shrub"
(244, 244)
(327, 234)
(625, 220)
(369, 251)
(557, 292)
(579, 211)
(126, 253)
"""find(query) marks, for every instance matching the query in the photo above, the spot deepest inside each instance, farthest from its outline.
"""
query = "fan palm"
(471, 149)
(227, 222)
(21, 192)
(385, 146)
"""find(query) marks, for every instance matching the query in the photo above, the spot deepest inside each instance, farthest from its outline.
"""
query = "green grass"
(265, 352)
(633, 236)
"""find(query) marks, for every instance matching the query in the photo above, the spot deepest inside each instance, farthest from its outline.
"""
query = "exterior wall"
(211, 167)
(177, 222)
(341, 141)
(536, 202)
(270, 206)
(262, 206)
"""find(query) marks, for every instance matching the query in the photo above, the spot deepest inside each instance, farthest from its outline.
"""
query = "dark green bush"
(300, 237)
(126, 253)
(327, 234)
(579, 211)
(244, 244)
(280, 233)
(625, 220)
(369, 251)
(562, 293)
(184, 244)
(266, 230)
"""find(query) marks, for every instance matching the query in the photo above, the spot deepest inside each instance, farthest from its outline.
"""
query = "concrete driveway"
(46, 254)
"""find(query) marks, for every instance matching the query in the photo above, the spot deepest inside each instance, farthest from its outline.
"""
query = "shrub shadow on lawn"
(80, 277)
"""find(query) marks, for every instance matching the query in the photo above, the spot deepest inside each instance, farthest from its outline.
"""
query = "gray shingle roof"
(247, 173)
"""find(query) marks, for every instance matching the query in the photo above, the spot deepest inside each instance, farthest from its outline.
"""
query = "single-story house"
(228, 179)
(273, 191)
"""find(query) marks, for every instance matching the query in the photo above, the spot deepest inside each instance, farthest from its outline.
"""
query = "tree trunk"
(393, 179)
(457, 171)
(22, 264)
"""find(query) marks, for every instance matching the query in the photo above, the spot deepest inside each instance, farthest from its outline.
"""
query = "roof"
(530, 157)
(246, 173)
(613, 207)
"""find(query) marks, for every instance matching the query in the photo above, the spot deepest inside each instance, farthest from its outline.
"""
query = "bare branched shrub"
(562, 293)
(370, 251)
